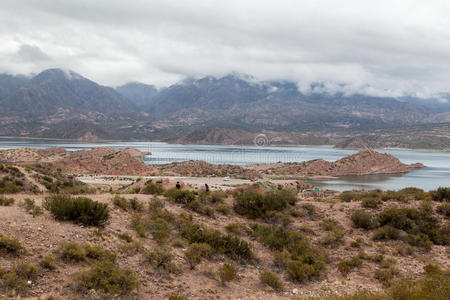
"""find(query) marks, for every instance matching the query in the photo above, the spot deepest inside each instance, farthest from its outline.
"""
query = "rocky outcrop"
(94, 161)
(366, 162)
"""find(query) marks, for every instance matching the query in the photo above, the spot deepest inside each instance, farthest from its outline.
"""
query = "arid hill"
(365, 162)
(101, 160)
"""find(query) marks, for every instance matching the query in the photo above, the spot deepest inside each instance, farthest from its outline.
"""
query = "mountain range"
(63, 104)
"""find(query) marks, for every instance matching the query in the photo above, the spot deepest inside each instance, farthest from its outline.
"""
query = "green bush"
(31, 207)
(363, 219)
(72, 252)
(415, 222)
(441, 194)
(368, 202)
(334, 235)
(271, 279)
(386, 233)
(126, 237)
(107, 277)
(6, 201)
(349, 196)
(346, 266)
(385, 276)
(152, 188)
(224, 209)
(10, 245)
(47, 262)
(79, 210)
(16, 279)
(127, 204)
(161, 259)
(256, 205)
(155, 204)
(227, 272)
(231, 246)
(196, 252)
(301, 260)
(158, 227)
(180, 196)
(444, 209)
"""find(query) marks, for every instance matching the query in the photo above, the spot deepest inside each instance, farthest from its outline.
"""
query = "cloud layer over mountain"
(374, 47)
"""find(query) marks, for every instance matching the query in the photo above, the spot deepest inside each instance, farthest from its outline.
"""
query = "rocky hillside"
(64, 93)
(250, 244)
(105, 161)
(365, 162)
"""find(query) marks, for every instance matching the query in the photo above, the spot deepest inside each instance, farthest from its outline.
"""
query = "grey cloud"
(373, 47)
(30, 53)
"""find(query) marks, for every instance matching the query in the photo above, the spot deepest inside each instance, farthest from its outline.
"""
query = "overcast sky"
(377, 46)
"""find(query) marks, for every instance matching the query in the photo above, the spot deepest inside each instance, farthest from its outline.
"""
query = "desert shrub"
(301, 260)
(120, 202)
(310, 209)
(346, 266)
(176, 296)
(224, 209)
(16, 279)
(10, 186)
(98, 253)
(334, 235)
(444, 209)
(369, 202)
(386, 233)
(231, 246)
(385, 276)
(47, 262)
(416, 222)
(256, 205)
(151, 188)
(349, 196)
(132, 247)
(363, 219)
(6, 201)
(107, 277)
(79, 210)
(156, 204)
(180, 196)
(196, 252)
(394, 196)
(72, 252)
(237, 228)
(10, 245)
(31, 207)
(158, 227)
(441, 194)
(126, 237)
(227, 272)
(212, 196)
(127, 204)
(271, 279)
(161, 259)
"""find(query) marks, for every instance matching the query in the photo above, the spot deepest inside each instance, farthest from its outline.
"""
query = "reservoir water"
(435, 174)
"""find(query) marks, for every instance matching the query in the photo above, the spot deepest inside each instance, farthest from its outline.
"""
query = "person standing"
(206, 187)
(178, 185)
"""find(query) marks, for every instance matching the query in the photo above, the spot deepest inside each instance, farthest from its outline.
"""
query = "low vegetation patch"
(271, 279)
(10, 245)
(301, 260)
(80, 210)
(253, 204)
(4, 201)
(346, 266)
(125, 204)
(108, 278)
(231, 246)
